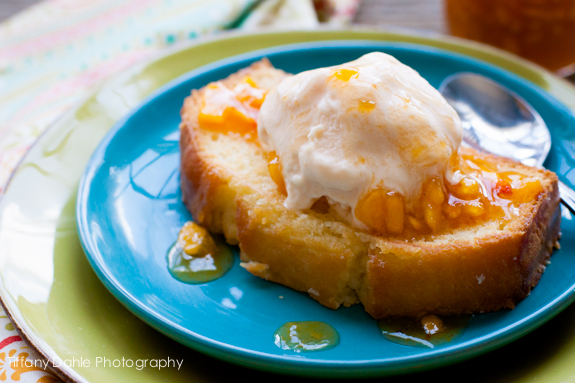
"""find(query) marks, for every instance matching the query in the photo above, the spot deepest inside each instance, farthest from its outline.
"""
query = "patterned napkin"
(52, 54)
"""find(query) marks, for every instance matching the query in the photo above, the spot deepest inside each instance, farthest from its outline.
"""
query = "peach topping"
(275, 169)
(232, 110)
(432, 324)
(196, 241)
(344, 74)
(366, 105)
(482, 193)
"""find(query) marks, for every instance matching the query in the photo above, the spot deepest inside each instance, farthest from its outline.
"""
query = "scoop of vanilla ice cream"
(377, 123)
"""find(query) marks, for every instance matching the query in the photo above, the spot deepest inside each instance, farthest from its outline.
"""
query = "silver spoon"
(497, 120)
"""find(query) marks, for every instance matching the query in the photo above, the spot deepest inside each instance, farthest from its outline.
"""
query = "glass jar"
(542, 31)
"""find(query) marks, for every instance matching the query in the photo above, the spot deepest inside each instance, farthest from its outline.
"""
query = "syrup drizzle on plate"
(306, 336)
(428, 331)
(197, 257)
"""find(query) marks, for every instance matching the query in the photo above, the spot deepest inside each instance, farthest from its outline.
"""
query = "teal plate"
(129, 212)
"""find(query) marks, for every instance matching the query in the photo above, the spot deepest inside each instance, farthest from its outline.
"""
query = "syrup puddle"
(196, 257)
(306, 336)
(429, 331)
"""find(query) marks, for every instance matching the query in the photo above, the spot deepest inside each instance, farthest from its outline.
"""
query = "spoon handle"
(567, 196)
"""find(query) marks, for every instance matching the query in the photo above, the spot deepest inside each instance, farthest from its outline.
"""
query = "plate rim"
(308, 367)
(378, 33)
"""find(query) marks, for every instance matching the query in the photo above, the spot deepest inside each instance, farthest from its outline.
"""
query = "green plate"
(58, 303)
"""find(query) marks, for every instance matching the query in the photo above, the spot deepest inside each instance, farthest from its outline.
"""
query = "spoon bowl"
(496, 119)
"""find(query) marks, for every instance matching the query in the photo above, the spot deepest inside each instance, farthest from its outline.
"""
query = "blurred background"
(539, 30)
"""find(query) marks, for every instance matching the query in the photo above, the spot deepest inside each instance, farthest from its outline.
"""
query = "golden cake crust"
(227, 188)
